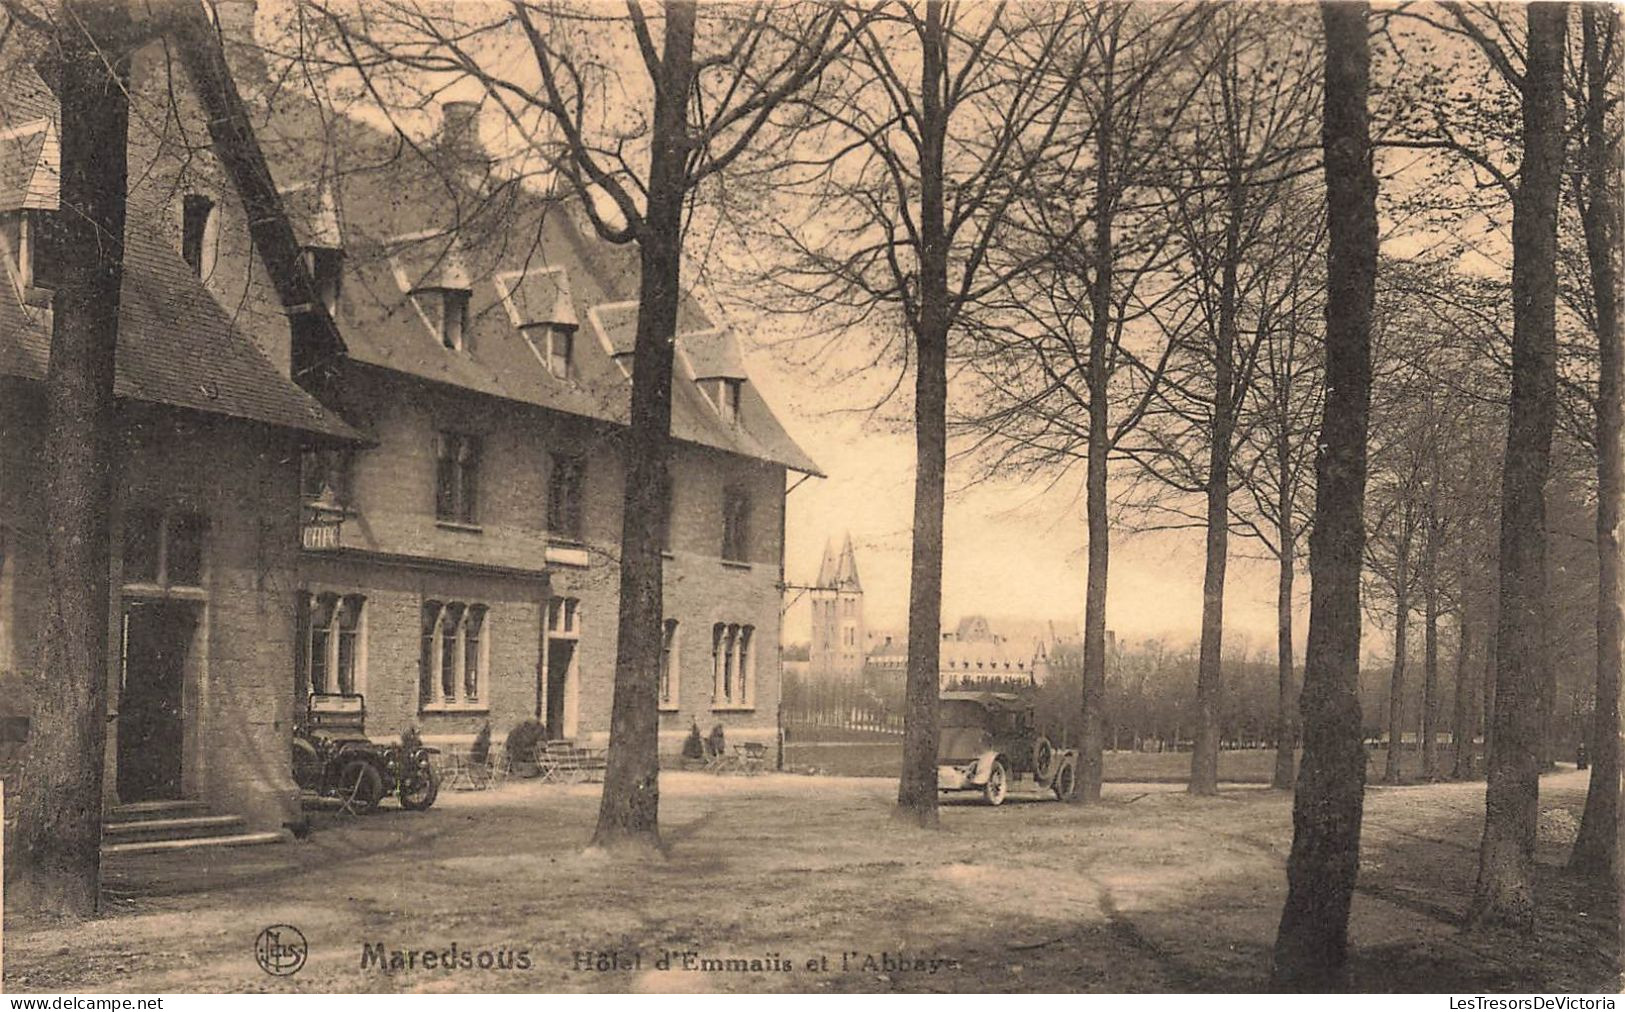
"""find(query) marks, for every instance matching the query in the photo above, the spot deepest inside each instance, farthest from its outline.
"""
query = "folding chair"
(718, 762)
(594, 762)
(559, 762)
(498, 767)
(460, 773)
(753, 756)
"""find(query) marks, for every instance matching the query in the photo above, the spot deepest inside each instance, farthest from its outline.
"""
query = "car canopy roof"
(1008, 701)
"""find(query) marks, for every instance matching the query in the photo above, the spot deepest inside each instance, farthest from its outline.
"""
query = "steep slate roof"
(413, 220)
(839, 571)
(826, 568)
(28, 169)
(176, 345)
(846, 574)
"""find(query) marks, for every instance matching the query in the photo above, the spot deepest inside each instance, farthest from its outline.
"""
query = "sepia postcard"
(910, 496)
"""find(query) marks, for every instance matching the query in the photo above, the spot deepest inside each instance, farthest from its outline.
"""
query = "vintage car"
(334, 758)
(987, 741)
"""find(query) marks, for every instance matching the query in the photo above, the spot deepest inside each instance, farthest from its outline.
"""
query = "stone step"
(191, 843)
(182, 828)
(139, 811)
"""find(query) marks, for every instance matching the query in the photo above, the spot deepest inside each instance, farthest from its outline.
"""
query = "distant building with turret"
(838, 646)
(978, 651)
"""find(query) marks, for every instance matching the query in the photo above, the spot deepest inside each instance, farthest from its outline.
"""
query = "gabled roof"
(410, 222)
(537, 296)
(176, 345)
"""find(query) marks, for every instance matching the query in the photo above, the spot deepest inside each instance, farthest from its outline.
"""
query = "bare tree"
(1275, 460)
(1063, 389)
(53, 861)
(1505, 886)
(1596, 848)
(1463, 723)
(1311, 945)
(1518, 690)
(1394, 497)
(1413, 504)
(1433, 534)
(1243, 155)
(946, 114)
(1441, 353)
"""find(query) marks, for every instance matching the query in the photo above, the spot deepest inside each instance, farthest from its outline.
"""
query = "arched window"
(453, 658)
(451, 621)
(730, 669)
(719, 638)
(733, 664)
(429, 654)
(745, 686)
(473, 626)
(668, 664)
(348, 635)
(321, 640)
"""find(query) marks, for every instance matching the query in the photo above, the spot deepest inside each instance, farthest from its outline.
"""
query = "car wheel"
(1043, 760)
(360, 787)
(997, 784)
(421, 787)
(1066, 781)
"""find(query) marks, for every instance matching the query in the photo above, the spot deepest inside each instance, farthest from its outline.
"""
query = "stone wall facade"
(392, 551)
(237, 710)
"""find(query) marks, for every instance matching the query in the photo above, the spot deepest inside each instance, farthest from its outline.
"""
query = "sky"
(1010, 549)
(1019, 550)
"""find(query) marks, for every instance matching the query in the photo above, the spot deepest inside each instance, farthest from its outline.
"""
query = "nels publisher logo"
(280, 950)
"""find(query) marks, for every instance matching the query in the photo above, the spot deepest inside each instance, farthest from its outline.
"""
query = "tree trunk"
(1546, 742)
(1396, 680)
(1094, 607)
(1461, 724)
(54, 861)
(1504, 892)
(1209, 670)
(1430, 635)
(629, 809)
(1286, 729)
(1311, 944)
(1596, 848)
(1486, 693)
(917, 786)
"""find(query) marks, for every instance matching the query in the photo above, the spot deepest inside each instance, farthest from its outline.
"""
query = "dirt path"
(801, 883)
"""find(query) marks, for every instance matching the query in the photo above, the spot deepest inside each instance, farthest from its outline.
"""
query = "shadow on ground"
(781, 883)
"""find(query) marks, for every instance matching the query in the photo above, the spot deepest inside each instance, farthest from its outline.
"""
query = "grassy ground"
(883, 758)
(1151, 890)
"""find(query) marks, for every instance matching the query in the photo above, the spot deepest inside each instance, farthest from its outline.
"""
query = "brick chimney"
(460, 129)
(235, 20)
(460, 145)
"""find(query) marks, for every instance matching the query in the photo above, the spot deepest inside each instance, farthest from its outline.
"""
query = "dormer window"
(726, 395)
(32, 239)
(560, 350)
(198, 228)
(454, 317)
(326, 267)
(447, 312)
(553, 344)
